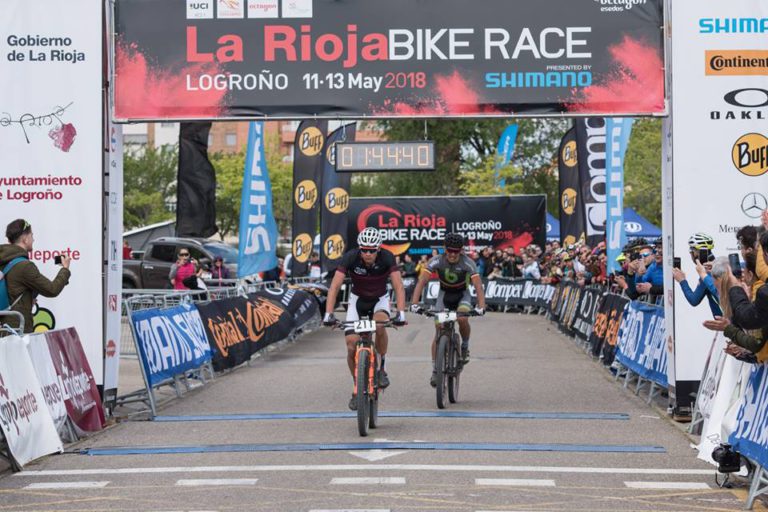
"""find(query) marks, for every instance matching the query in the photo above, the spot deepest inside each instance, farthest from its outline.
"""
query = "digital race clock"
(385, 156)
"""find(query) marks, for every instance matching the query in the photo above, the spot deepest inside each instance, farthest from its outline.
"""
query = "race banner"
(356, 59)
(416, 225)
(170, 341)
(81, 396)
(300, 304)
(307, 169)
(52, 154)
(571, 203)
(196, 183)
(617, 133)
(503, 292)
(50, 384)
(719, 136)
(334, 209)
(584, 319)
(258, 229)
(590, 146)
(642, 345)
(25, 419)
(751, 435)
(605, 332)
(238, 327)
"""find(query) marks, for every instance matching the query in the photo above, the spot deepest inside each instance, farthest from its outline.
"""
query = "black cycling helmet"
(454, 241)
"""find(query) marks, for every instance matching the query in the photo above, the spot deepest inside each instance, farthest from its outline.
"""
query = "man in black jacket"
(746, 314)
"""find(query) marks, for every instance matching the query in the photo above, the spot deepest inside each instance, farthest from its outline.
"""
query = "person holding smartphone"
(700, 247)
(22, 277)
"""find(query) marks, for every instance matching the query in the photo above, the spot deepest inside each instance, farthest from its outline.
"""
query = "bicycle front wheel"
(441, 365)
(454, 364)
(363, 363)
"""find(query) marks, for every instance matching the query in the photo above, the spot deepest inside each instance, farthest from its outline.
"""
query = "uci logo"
(568, 201)
(302, 247)
(337, 200)
(311, 141)
(333, 247)
(632, 227)
(750, 154)
(569, 154)
(306, 194)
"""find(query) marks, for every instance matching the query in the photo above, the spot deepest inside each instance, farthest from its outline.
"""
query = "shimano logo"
(733, 25)
(618, 5)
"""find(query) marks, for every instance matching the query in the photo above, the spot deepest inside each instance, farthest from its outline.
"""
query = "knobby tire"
(441, 361)
(362, 392)
(455, 369)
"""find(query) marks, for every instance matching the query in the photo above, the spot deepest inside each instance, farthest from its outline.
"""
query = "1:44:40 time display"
(385, 156)
(390, 80)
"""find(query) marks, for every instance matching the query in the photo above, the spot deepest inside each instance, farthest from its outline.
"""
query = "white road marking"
(67, 485)
(667, 485)
(217, 481)
(381, 480)
(349, 510)
(515, 482)
(374, 455)
(365, 467)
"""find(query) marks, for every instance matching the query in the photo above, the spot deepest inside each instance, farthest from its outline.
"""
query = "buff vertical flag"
(258, 229)
(335, 208)
(617, 132)
(196, 196)
(590, 142)
(307, 168)
(571, 206)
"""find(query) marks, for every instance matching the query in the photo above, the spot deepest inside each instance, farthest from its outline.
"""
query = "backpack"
(5, 301)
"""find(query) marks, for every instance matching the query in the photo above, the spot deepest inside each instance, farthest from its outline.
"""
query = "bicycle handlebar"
(434, 312)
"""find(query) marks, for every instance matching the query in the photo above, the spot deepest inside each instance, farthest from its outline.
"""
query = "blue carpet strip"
(400, 414)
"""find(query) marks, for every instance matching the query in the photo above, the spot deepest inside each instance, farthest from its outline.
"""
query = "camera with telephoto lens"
(728, 460)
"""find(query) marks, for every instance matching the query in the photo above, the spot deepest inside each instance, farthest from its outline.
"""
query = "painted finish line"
(401, 414)
(308, 447)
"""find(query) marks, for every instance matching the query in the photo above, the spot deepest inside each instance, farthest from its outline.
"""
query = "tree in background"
(150, 184)
(642, 169)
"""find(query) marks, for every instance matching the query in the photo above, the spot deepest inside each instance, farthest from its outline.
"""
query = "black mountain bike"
(448, 357)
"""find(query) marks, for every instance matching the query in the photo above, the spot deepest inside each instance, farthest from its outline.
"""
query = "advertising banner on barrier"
(300, 304)
(606, 329)
(51, 153)
(258, 229)
(50, 384)
(584, 320)
(417, 225)
(358, 59)
(334, 207)
(751, 435)
(80, 393)
(24, 418)
(570, 306)
(642, 345)
(719, 105)
(504, 292)
(171, 341)
(238, 327)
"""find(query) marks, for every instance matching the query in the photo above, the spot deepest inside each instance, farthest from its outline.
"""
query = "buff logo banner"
(334, 209)
(590, 144)
(417, 225)
(258, 229)
(238, 327)
(171, 341)
(617, 132)
(571, 205)
(750, 438)
(605, 332)
(307, 168)
(196, 196)
(397, 58)
(642, 344)
(25, 419)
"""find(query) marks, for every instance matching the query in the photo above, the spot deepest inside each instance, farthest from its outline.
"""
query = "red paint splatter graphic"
(637, 85)
(63, 136)
(142, 92)
(454, 96)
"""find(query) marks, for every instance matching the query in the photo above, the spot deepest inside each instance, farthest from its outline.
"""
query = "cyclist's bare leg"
(382, 340)
(464, 329)
(351, 340)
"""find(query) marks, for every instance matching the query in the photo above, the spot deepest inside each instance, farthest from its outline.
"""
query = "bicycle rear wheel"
(441, 366)
(362, 392)
(454, 364)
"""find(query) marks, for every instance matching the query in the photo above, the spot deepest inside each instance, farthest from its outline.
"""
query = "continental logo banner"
(238, 327)
(736, 62)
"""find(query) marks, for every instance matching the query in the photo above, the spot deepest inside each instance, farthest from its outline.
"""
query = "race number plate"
(365, 326)
(448, 316)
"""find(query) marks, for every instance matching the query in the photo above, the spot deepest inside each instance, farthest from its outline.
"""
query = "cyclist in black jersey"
(369, 267)
(456, 271)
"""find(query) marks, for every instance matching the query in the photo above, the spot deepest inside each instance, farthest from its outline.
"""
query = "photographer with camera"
(23, 280)
(645, 275)
(700, 247)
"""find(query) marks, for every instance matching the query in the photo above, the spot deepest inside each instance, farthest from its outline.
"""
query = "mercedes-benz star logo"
(753, 205)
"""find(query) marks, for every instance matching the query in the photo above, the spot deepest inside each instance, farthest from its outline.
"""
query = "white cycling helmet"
(701, 241)
(369, 237)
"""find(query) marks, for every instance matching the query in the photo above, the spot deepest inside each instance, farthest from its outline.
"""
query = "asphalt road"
(616, 454)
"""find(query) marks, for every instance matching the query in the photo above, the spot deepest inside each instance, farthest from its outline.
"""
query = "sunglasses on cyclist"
(452, 250)
(368, 251)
